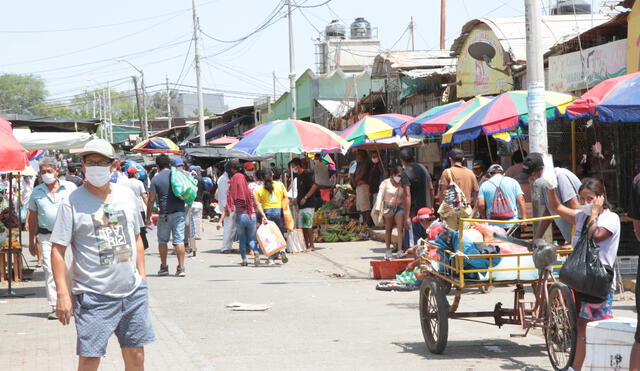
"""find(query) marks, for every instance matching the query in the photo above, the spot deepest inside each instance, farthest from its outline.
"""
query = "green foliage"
(21, 93)
(206, 112)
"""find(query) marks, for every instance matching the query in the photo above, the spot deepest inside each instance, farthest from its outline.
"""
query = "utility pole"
(274, 86)
(168, 103)
(442, 22)
(110, 112)
(145, 132)
(201, 132)
(93, 104)
(538, 141)
(413, 35)
(292, 69)
(142, 127)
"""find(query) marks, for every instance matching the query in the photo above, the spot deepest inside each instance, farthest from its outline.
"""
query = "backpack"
(183, 186)
(455, 202)
(500, 206)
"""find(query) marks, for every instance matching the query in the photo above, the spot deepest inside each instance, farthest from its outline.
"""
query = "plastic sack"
(208, 183)
(584, 272)
(549, 178)
(287, 217)
(183, 186)
(270, 238)
(142, 173)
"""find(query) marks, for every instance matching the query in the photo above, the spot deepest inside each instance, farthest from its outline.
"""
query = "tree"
(206, 112)
(21, 93)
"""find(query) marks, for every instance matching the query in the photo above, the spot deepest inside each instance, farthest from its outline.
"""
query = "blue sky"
(73, 44)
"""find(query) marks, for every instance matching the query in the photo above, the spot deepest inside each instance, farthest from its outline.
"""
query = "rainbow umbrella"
(502, 114)
(613, 100)
(290, 136)
(415, 127)
(375, 127)
(447, 117)
(156, 145)
(326, 159)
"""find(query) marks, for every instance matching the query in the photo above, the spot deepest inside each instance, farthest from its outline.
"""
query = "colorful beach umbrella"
(375, 127)
(290, 136)
(156, 145)
(613, 100)
(502, 114)
(13, 157)
(447, 117)
(415, 127)
(326, 159)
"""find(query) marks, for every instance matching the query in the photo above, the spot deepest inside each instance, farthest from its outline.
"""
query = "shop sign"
(581, 70)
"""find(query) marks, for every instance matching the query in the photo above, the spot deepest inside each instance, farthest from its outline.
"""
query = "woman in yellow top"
(271, 197)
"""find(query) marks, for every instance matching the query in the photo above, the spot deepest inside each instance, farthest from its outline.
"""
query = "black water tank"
(564, 7)
(360, 29)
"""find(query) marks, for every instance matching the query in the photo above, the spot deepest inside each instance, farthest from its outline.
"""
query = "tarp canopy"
(50, 140)
(219, 130)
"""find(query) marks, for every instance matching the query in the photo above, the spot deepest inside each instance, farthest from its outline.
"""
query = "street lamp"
(145, 125)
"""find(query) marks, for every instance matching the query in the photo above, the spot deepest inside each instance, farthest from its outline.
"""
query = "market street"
(317, 322)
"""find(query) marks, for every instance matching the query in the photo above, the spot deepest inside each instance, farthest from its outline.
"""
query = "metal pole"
(135, 87)
(292, 69)
(538, 141)
(145, 129)
(274, 86)
(413, 36)
(110, 113)
(168, 103)
(442, 23)
(201, 131)
(93, 104)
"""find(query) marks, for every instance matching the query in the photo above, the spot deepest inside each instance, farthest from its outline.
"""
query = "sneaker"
(270, 261)
(180, 272)
(52, 315)
(388, 255)
(284, 257)
(256, 259)
(164, 270)
(244, 263)
(400, 254)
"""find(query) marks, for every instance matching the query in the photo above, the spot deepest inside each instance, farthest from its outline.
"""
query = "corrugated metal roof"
(411, 60)
(512, 31)
(337, 108)
(421, 73)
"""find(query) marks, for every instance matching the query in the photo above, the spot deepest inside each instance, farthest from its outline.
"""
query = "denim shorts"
(98, 317)
(171, 225)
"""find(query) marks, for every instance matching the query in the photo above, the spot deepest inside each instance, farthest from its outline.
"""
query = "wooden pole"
(442, 23)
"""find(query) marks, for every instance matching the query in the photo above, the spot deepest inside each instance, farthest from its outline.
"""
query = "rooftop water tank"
(360, 29)
(565, 7)
(335, 29)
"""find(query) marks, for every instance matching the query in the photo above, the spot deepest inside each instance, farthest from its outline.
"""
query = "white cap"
(100, 147)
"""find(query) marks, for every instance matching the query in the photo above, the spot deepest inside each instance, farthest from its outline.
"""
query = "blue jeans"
(246, 232)
(275, 215)
(417, 232)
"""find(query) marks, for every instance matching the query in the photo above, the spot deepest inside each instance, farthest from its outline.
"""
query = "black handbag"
(584, 272)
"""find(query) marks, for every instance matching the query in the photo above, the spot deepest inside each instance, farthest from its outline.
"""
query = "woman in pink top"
(390, 203)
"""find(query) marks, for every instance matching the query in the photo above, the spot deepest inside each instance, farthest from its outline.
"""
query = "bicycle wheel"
(434, 315)
(561, 331)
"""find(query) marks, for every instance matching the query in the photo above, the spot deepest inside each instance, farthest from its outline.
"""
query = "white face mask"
(98, 176)
(586, 208)
(48, 178)
(249, 173)
(375, 160)
(397, 179)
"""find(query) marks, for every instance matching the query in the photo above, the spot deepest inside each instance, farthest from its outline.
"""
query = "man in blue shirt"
(511, 189)
(44, 204)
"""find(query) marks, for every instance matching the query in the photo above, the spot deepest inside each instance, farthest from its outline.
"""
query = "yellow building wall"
(633, 39)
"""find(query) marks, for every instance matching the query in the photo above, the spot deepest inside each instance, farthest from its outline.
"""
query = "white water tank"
(335, 29)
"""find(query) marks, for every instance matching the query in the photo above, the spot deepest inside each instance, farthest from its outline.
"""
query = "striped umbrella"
(502, 114)
(415, 127)
(613, 100)
(290, 136)
(156, 145)
(375, 127)
(446, 117)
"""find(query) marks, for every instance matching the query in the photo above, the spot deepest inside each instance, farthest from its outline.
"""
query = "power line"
(313, 6)
(268, 22)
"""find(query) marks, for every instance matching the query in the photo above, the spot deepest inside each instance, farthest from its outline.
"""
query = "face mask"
(375, 160)
(98, 176)
(397, 179)
(48, 178)
(586, 208)
(249, 173)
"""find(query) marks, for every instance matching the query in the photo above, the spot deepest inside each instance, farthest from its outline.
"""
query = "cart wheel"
(434, 315)
(445, 286)
(561, 331)
(486, 289)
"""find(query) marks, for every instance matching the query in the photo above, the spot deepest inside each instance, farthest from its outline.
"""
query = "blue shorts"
(171, 225)
(98, 317)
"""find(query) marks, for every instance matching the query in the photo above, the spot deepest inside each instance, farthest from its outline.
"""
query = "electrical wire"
(268, 22)
(313, 6)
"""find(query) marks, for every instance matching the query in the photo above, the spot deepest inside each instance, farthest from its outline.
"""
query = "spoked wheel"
(561, 332)
(434, 315)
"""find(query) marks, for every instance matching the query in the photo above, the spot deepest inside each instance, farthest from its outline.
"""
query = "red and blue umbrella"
(415, 127)
(156, 145)
(613, 100)
(502, 114)
(445, 117)
(290, 136)
(375, 127)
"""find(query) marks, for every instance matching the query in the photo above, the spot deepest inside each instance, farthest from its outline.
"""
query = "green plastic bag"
(183, 186)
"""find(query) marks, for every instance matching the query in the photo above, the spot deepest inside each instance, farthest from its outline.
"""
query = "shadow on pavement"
(29, 292)
(37, 315)
(494, 349)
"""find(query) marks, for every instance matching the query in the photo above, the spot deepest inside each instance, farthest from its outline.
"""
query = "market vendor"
(361, 181)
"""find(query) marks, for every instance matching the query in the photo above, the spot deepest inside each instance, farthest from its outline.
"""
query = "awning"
(219, 130)
(337, 108)
(50, 140)
(223, 141)
(221, 152)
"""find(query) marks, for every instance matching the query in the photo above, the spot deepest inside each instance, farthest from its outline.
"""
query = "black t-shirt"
(167, 201)
(375, 177)
(199, 196)
(305, 182)
(75, 180)
(418, 179)
(634, 208)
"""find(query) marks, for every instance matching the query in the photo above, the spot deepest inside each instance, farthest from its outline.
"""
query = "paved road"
(317, 322)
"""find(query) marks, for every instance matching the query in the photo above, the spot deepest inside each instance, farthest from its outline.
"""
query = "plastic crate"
(628, 265)
(387, 269)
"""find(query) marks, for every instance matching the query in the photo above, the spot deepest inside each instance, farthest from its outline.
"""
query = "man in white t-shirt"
(140, 192)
